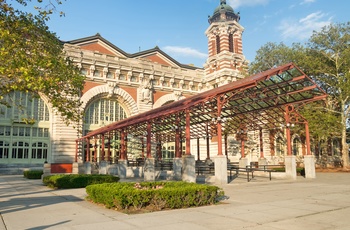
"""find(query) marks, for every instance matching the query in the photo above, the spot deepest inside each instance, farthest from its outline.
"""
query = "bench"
(249, 170)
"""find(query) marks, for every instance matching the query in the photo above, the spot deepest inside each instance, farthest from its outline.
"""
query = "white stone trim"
(166, 98)
(128, 101)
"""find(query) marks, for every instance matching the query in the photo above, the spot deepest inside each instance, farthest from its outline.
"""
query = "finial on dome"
(222, 2)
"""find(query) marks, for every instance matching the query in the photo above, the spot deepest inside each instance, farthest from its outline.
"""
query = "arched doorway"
(100, 112)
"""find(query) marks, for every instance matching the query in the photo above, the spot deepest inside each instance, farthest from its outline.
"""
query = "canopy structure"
(253, 103)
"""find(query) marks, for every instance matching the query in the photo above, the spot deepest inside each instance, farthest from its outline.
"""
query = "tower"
(226, 61)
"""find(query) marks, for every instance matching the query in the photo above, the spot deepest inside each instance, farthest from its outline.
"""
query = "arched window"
(102, 112)
(4, 149)
(39, 150)
(24, 108)
(20, 150)
(230, 42)
(218, 44)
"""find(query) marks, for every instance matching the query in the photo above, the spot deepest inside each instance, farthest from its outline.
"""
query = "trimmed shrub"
(300, 171)
(154, 195)
(280, 169)
(33, 174)
(77, 180)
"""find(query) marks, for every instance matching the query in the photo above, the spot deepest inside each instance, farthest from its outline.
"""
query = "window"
(217, 44)
(230, 42)
(39, 150)
(4, 149)
(279, 146)
(110, 75)
(20, 150)
(24, 106)
(104, 111)
(122, 77)
(97, 73)
(83, 72)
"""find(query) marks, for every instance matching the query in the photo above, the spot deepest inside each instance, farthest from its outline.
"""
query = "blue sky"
(178, 26)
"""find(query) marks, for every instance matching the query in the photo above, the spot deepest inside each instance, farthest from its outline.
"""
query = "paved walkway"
(321, 203)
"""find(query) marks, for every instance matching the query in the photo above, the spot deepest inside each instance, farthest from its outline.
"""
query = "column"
(189, 172)
(309, 159)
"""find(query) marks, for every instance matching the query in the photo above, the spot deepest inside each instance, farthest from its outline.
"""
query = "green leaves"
(32, 60)
(325, 58)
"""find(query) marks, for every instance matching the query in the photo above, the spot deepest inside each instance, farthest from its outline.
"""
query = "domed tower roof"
(223, 13)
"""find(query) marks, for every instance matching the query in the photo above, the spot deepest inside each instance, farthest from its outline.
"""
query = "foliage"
(32, 60)
(300, 171)
(326, 59)
(159, 195)
(77, 181)
(272, 55)
(33, 174)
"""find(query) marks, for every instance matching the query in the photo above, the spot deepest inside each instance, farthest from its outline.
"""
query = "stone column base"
(75, 168)
(262, 162)
(122, 167)
(46, 170)
(177, 168)
(87, 166)
(112, 169)
(189, 168)
(220, 170)
(149, 172)
(102, 168)
(291, 167)
(243, 162)
(309, 163)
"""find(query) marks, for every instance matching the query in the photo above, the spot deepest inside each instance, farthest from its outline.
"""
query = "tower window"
(217, 44)
(230, 42)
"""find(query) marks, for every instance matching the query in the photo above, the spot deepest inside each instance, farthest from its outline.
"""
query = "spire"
(223, 12)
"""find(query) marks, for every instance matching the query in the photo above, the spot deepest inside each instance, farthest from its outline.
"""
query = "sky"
(178, 26)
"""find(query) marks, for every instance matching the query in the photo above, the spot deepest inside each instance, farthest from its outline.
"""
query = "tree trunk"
(345, 149)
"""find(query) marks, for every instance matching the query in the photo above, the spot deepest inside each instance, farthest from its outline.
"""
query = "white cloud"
(303, 28)
(307, 2)
(237, 3)
(184, 52)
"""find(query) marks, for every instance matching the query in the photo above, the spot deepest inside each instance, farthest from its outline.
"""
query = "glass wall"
(24, 129)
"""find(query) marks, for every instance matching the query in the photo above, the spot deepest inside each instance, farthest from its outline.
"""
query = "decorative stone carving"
(105, 71)
(129, 75)
(147, 91)
(117, 73)
(141, 76)
(181, 84)
(200, 86)
(178, 95)
(161, 81)
(92, 70)
(111, 87)
(171, 82)
(190, 85)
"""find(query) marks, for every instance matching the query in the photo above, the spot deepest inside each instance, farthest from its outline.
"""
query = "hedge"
(158, 195)
(33, 174)
(77, 180)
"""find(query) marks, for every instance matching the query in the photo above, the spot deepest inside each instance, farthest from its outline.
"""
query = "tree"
(272, 55)
(32, 60)
(328, 62)
(325, 58)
